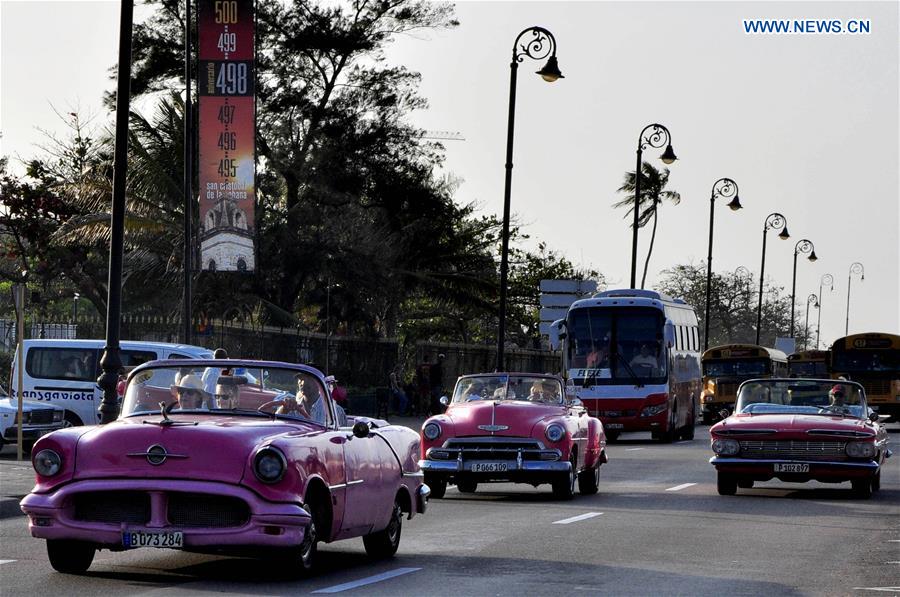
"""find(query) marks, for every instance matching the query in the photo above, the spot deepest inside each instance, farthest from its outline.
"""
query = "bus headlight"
(860, 449)
(726, 447)
(653, 410)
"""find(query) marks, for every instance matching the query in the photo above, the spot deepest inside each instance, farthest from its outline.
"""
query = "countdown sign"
(227, 126)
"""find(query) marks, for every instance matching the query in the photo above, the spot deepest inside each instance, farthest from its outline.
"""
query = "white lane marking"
(578, 518)
(6, 561)
(680, 487)
(882, 589)
(892, 562)
(368, 580)
(893, 540)
(632, 449)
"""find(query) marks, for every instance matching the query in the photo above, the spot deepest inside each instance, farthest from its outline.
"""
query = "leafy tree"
(733, 305)
(653, 191)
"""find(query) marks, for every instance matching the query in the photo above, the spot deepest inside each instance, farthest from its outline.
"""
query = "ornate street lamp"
(803, 246)
(653, 135)
(111, 361)
(809, 300)
(536, 43)
(724, 187)
(773, 220)
(826, 279)
(855, 268)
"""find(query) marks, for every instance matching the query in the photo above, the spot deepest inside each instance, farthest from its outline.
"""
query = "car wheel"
(27, 447)
(437, 486)
(70, 557)
(564, 485)
(876, 481)
(726, 484)
(384, 543)
(745, 483)
(466, 486)
(308, 549)
(588, 481)
(862, 488)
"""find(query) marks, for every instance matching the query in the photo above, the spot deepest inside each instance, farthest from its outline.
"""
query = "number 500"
(226, 11)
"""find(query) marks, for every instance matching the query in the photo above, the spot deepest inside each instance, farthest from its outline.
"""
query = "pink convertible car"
(519, 427)
(224, 457)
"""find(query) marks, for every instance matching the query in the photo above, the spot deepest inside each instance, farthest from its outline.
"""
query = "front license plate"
(614, 425)
(791, 468)
(489, 467)
(133, 539)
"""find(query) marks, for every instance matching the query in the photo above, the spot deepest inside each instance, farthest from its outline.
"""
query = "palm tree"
(653, 190)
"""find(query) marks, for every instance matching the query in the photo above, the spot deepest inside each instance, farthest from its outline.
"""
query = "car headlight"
(47, 463)
(58, 415)
(649, 411)
(860, 449)
(726, 447)
(269, 465)
(555, 432)
(431, 431)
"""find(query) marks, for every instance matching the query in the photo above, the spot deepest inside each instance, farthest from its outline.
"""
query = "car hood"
(800, 425)
(198, 447)
(518, 418)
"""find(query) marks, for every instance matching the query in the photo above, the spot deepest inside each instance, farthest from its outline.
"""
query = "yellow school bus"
(725, 367)
(873, 360)
(809, 363)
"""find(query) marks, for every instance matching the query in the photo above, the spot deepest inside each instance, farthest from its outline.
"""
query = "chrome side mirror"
(360, 429)
(576, 402)
(444, 400)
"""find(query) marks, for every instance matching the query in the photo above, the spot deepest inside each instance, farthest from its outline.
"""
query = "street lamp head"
(812, 256)
(668, 155)
(550, 72)
(784, 234)
(735, 204)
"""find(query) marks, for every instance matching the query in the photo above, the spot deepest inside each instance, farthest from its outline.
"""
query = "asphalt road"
(657, 527)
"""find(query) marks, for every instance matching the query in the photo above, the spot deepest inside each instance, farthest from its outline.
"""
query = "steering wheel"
(278, 403)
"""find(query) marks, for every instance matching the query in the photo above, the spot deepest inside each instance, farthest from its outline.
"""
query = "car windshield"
(801, 397)
(217, 387)
(523, 388)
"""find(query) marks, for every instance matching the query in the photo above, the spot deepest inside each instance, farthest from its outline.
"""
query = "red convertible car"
(800, 430)
(261, 464)
(517, 427)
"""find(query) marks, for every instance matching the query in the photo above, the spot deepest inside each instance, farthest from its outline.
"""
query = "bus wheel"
(687, 432)
(612, 436)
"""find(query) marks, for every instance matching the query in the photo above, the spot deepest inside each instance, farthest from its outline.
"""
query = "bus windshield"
(616, 346)
(848, 361)
(736, 368)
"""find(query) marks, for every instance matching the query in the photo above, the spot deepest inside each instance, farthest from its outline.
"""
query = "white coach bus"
(633, 357)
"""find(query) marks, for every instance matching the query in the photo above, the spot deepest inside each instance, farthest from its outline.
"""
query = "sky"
(806, 124)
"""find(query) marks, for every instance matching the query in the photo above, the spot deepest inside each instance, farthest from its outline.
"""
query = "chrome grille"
(493, 448)
(113, 507)
(201, 510)
(802, 450)
(726, 391)
(43, 416)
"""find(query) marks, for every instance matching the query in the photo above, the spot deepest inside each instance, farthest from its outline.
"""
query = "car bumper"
(827, 471)
(515, 471)
(29, 432)
(52, 516)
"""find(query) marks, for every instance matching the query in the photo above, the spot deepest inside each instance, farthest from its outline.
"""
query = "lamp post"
(536, 43)
(855, 268)
(825, 279)
(803, 246)
(773, 220)
(653, 135)
(810, 299)
(111, 360)
(75, 298)
(724, 187)
(187, 256)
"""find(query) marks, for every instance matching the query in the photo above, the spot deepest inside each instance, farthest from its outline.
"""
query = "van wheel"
(72, 420)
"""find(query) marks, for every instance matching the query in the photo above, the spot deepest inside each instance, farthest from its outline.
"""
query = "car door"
(371, 480)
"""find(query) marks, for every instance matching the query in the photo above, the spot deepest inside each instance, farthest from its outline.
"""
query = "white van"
(65, 372)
